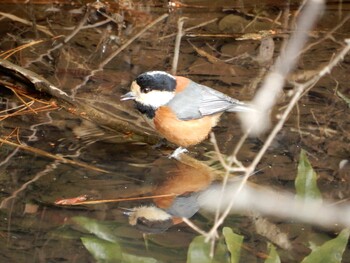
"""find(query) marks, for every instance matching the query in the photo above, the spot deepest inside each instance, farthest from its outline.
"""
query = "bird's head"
(150, 219)
(152, 89)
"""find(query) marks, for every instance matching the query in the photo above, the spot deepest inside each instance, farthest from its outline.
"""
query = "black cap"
(156, 80)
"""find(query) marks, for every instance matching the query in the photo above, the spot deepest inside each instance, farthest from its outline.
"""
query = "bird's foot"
(176, 154)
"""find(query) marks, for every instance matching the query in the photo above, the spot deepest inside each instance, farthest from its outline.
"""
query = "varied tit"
(153, 219)
(183, 111)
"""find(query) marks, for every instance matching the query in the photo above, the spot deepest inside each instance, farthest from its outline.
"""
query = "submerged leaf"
(234, 243)
(94, 227)
(199, 251)
(129, 258)
(306, 181)
(221, 255)
(102, 250)
(331, 251)
(232, 23)
(273, 255)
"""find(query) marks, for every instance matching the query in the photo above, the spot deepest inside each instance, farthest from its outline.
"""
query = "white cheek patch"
(151, 213)
(155, 98)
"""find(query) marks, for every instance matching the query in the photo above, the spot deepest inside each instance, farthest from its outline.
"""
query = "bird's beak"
(128, 96)
(127, 211)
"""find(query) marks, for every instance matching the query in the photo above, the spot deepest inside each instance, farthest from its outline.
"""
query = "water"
(91, 125)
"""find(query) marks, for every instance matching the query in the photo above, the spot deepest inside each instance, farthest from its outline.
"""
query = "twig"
(274, 132)
(227, 166)
(10, 52)
(22, 100)
(193, 226)
(238, 148)
(179, 35)
(21, 109)
(93, 202)
(38, 81)
(218, 152)
(191, 28)
(259, 121)
(328, 34)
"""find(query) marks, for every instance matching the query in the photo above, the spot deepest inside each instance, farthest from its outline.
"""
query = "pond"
(75, 160)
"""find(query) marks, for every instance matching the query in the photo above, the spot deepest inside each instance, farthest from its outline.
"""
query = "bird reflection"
(186, 182)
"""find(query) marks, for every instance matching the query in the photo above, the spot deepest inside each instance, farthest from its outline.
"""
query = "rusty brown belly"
(183, 133)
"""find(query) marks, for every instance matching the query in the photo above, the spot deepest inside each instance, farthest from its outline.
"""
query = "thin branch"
(179, 35)
(266, 97)
(66, 202)
(277, 128)
(191, 28)
(193, 226)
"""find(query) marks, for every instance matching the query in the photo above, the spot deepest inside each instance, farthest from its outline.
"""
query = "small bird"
(153, 219)
(184, 183)
(182, 111)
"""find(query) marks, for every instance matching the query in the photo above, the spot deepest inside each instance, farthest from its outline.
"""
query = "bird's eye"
(146, 90)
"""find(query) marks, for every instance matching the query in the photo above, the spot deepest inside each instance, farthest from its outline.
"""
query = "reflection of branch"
(191, 28)
(66, 40)
(115, 53)
(5, 203)
(26, 22)
(52, 156)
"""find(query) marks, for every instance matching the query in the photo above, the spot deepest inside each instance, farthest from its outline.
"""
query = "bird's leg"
(176, 154)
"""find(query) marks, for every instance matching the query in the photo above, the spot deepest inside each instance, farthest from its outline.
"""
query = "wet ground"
(86, 51)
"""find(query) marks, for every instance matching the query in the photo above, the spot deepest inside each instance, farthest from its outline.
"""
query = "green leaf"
(221, 255)
(129, 258)
(306, 181)
(331, 251)
(95, 227)
(199, 251)
(102, 250)
(234, 243)
(273, 255)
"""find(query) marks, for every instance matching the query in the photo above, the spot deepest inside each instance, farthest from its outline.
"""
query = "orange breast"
(183, 133)
(181, 83)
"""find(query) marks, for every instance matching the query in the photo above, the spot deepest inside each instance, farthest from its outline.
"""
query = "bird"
(153, 219)
(175, 197)
(181, 110)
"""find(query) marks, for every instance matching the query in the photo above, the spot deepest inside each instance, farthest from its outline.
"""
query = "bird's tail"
(241, 107)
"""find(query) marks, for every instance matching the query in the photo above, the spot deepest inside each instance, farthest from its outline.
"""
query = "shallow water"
(90, 130)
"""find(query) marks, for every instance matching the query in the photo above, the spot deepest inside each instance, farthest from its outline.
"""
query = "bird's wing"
(197, 101)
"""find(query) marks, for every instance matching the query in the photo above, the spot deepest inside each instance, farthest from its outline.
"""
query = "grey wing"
(197, 101)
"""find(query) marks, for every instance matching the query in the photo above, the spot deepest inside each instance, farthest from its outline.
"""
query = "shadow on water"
(83, 50)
